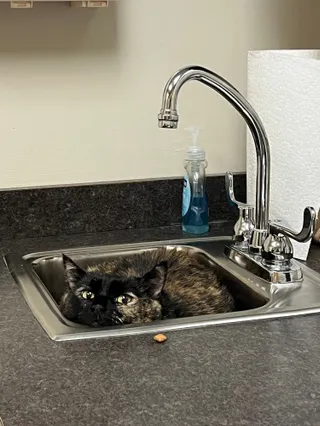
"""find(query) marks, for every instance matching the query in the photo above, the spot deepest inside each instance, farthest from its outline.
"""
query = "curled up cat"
(156, 284)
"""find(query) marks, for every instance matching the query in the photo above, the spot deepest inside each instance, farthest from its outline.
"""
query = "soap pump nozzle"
(195, 152)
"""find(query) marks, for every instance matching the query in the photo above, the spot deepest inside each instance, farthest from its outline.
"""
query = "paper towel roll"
(284, 89)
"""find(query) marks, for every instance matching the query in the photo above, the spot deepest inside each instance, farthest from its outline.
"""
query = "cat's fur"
(160, 284)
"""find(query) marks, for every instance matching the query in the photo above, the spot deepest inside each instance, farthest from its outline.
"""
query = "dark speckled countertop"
(259, 373)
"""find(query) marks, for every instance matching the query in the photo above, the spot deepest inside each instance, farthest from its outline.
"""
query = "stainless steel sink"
(40, 277)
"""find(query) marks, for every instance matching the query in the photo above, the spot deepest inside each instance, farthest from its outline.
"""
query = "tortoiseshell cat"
(154, 285)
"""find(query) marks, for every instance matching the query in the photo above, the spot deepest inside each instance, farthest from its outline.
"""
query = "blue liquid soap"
(195, 212)
(195, 221)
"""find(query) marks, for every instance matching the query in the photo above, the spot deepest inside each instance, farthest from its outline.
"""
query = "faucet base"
(276, 274)
(257, 238)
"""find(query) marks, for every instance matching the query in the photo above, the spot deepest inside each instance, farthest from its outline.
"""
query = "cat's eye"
(85, 294)
(124, 299)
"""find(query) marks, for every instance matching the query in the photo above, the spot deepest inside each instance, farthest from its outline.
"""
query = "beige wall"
(80, 89)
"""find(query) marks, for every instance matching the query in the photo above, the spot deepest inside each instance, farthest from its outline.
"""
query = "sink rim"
(58, 327)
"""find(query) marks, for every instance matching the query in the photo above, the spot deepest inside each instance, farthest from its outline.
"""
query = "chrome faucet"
(258, 245)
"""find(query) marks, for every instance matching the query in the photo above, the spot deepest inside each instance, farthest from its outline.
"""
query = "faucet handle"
(245, 223)
(230, 193)
(309, 220)
(277, 248)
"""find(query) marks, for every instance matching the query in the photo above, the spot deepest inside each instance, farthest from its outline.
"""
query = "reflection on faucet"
(283, 294)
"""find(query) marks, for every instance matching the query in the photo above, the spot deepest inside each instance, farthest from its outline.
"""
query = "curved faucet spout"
(168, 118)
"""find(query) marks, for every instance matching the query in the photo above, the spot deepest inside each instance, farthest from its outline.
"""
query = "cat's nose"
(97, 309)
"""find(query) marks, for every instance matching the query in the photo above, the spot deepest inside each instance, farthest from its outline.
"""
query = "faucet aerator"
(168, 119)
(167, 124)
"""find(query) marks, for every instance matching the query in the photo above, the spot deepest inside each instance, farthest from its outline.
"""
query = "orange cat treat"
(160, 338)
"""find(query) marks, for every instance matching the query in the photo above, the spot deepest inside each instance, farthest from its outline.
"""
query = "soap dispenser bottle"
(195, 212)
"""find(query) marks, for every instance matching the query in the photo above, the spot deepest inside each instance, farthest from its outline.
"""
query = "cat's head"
(99, 299)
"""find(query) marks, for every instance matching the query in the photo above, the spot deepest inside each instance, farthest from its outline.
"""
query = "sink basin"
(40, 277)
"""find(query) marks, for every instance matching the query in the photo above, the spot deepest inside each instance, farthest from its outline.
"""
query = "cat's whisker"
(116, 319)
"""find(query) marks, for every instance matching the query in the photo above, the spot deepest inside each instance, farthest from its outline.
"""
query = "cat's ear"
(72, 272)
(155, 279)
